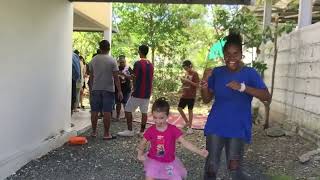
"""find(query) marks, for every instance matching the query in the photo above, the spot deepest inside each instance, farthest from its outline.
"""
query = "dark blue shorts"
(101, 101)
(124, 100)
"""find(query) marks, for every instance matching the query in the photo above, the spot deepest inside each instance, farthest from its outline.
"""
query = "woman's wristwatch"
(243, 87)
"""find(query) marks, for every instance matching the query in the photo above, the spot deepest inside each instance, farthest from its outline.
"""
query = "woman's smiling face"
(232, 57)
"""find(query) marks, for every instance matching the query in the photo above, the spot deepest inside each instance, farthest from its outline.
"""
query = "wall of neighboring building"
(249, 55)
(296, 99)
(35, 78)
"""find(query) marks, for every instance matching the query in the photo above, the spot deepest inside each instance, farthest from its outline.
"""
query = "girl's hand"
(234, 85)
(204, 153)
(141, 158)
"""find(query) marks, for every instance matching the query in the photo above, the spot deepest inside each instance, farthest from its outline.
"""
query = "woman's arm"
(206, 93)
(192, 148)
(261, 94)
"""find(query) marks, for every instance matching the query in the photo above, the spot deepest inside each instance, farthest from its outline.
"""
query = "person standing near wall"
(83, 80)
(229, 122)
(104, 71)
(75, 78)
(79, 83)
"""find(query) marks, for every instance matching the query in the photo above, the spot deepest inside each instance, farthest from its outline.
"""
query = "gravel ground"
(116, 159)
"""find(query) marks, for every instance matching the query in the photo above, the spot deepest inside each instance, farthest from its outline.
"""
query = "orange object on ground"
(78, 140)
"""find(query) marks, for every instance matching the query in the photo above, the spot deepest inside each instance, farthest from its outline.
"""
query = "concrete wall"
(296, 98)
(35, 78)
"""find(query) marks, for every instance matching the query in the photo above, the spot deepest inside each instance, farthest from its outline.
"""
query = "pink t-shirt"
(163, 144)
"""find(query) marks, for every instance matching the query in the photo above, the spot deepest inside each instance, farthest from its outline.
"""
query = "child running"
(160, 162)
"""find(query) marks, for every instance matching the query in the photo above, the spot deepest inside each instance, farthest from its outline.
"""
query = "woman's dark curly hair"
(233, 39)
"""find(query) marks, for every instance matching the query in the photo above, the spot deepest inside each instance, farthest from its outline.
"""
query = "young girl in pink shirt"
(160, 161)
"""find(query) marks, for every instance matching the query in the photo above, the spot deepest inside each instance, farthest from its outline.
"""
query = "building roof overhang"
(244, 2)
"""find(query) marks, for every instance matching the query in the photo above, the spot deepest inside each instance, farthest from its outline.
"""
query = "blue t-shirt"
(230, 115)
(75, 67)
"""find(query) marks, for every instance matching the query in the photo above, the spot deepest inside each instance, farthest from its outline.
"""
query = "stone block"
(312, 104)
(313, 86)
(299, 100)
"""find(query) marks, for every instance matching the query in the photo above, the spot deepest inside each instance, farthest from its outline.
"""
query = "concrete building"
(35, 72)
(296, 98)
(35, 66)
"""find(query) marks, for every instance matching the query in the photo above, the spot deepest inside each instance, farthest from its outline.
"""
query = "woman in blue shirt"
(229, 122)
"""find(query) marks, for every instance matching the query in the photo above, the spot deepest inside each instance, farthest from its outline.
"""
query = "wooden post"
(267, 104)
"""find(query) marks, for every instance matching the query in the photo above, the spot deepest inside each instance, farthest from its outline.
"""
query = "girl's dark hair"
(161, 105)
(233, 39)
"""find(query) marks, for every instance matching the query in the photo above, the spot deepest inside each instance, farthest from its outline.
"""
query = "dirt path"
(116, 160)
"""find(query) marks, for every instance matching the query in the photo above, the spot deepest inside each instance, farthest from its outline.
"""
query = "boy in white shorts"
(142, 78)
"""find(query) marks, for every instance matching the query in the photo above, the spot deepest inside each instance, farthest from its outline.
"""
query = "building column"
(267, 15)
(108, 32)
(305, 13)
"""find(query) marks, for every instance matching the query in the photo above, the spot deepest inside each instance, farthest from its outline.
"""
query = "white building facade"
(296, 98)
(35, 76)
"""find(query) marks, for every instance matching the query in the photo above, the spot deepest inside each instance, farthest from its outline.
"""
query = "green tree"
(173, 32)
(86, 43)
(237, 20)
(161, 26)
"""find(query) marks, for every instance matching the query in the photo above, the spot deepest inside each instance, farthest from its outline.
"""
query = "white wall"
(35, 77)
(249, 55)
(296, 97)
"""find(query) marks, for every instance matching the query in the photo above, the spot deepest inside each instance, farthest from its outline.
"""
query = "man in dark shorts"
(104, 71)
(125, 81)
(190, 82)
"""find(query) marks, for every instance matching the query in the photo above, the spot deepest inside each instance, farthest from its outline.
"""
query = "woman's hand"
(204, 81)
(203, 84)
(234, 85)
(206, 74)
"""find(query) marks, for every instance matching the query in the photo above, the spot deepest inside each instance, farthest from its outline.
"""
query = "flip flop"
(94, 135)
(109, 138)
